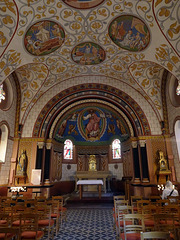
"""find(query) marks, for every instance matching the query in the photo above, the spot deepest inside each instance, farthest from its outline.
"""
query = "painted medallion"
(43, 38)
(88, 53)
(83, 4)
(130, 33)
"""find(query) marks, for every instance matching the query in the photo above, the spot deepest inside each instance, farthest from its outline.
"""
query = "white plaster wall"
(9, 117)
(146, 107)
(68, 174)
(116, 173)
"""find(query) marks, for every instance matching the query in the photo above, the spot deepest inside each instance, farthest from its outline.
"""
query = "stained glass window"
(68, 149)
(116, 149)
(2, 93)
(178, 89)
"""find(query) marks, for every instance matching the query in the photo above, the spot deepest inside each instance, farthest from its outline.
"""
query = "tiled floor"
(88, 223)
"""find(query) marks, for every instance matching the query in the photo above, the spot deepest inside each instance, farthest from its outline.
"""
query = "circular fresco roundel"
(83, 4)
(92, 123)
(44, 37)
(88, 53)
(130, 33)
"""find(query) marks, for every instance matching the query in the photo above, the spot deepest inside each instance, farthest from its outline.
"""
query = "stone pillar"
(137, 176)
(40, 163)
(144, 162)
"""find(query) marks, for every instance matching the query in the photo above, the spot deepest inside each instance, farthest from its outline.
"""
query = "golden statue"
(92, 163)
(22, 164)
(163, 166)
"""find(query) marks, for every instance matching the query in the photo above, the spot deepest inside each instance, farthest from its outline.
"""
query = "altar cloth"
(89, 182)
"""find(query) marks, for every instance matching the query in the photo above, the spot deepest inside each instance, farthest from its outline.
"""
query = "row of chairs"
(152, 216)
(46, 214)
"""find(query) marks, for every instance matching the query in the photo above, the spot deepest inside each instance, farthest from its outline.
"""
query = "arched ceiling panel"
(95, 91)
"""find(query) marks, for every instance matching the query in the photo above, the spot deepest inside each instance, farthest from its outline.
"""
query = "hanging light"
(2, 93)
(178, 88)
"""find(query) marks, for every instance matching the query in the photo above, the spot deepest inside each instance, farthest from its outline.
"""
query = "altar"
(102, 175)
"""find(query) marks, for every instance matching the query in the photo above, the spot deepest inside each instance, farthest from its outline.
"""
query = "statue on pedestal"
(163, 166)
(22, 164)
(92, 163)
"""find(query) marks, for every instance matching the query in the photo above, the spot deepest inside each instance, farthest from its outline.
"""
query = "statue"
(92, 163)
(22, 164)
(163, 166)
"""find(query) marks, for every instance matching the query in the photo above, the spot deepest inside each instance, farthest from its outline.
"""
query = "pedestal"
(163, 176)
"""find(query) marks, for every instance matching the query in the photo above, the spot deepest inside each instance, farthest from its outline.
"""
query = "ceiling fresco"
(131, 41)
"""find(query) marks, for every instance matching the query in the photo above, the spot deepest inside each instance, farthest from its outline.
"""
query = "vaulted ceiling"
(50, 42)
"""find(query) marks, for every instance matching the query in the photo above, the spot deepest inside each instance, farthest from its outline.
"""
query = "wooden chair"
(41, 198)
(55, 214)
(166, 223)
(148, 212)
(62, 208)
(155, 235)
(173, 199)
(132, 230)
(116, 198)
(5, 220)
(9, 233)
(141, 204)
(154, 199)
(134, 200)
(29, 227)
(121, 210)
(115, 215)
(45, 222)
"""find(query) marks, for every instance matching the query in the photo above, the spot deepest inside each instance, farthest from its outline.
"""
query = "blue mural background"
(91, 125)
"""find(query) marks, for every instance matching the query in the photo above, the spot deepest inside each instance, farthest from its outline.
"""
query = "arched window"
(3, 142)
(116, 149)
(68, 149)
(177, 134)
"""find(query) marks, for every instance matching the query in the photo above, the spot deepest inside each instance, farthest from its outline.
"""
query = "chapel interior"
(89, 90)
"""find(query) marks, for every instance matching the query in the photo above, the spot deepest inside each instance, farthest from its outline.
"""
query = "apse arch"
(102, 92)
(88, 104)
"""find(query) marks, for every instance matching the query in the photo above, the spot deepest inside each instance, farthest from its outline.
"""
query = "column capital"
(40, 145)
(134, 144)
(48, 145)
(142, 143)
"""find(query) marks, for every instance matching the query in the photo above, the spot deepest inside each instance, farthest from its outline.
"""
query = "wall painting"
(130, 33)
(88, 53)
(91, 124)
(44, 37)
(83, 4)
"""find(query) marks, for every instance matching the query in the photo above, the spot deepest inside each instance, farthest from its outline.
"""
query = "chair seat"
(149, 223)
(131, 236)
(31, 234)
(17, 223)
(8, 236)
(121, 223)
(45, 222)
(3, 222)
(63, 209)
(54, 215)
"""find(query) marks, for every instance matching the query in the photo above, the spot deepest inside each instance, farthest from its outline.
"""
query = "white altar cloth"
(89, 182)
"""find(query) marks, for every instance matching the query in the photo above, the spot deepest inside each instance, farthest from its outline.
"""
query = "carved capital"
(134, 144)
(40, 145)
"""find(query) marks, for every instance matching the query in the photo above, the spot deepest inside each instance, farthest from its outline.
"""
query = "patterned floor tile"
(87, 224)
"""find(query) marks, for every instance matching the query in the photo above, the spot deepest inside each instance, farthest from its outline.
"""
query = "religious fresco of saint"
(44, 37)
(91, 124)
(130, 33)
(88, 53)
(83, 4)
